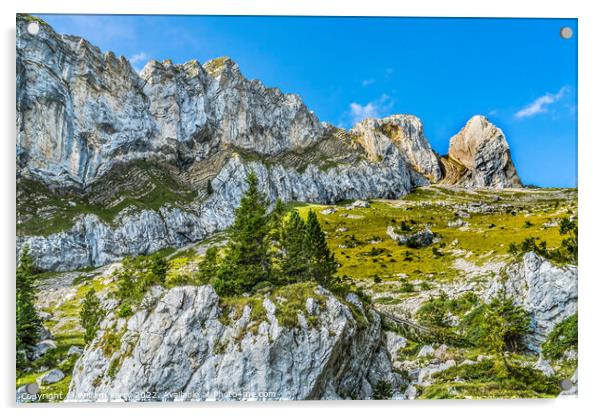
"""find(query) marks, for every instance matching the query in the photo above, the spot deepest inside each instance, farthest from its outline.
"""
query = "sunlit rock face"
(481, 148)
(184, 347)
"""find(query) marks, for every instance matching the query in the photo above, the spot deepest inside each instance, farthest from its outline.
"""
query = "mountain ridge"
(86, 121)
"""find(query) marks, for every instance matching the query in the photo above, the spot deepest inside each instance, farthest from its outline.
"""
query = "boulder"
(51, 377)
(426, 351)
(360, 204)
(75, 350)
(42, 348)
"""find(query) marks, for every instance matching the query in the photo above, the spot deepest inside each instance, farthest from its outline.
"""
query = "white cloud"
(373, 109)
(541, 104)
(367, 82)
(138, 58)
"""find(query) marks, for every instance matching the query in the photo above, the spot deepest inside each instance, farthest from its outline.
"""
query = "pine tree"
(208, 266)
(209, 187)
(295, 265)
(322, 265)
(29, 323)
(247, 260)
(90, 315)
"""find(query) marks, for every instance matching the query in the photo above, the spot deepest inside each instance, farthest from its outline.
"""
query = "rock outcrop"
(479, 156)
(401, 135)
(187, 348)
(547, 292)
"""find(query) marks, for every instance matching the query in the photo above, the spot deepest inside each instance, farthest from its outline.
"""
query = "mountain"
(112, 162)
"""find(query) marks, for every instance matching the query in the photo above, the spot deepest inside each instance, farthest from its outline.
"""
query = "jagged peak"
(218, 66)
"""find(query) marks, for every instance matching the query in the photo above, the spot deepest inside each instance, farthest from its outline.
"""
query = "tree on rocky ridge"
(322, 265)
(295, 258)
(29, 323)
(246, 260)
(90, 315)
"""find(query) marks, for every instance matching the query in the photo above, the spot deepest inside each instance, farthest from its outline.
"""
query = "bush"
(563, 337)
(382, 390)
(135, 277)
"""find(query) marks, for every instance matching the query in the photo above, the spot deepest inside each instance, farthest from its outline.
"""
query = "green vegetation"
(563, 337)
(43, 211)
(90, 315)
(135, 277)
(482, 380)
(566, 253)
(264, 247)
(29, 323)
(382, 390)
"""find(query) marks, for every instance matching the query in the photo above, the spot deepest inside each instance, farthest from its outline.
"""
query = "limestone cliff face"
(548, 292)
(86, 122)
(400, 136)
(479, 156)
(185, 347)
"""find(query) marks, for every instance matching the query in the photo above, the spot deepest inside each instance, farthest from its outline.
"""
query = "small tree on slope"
(29, 323)
(246, 261)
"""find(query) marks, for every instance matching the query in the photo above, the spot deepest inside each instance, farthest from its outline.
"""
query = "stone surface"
(484, 155)
(421, 238)
(547, 292)
(51, 377)
(183, 346)
(43, 347)
(426, 351)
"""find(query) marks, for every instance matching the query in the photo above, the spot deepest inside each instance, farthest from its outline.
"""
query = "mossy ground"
(486, 238)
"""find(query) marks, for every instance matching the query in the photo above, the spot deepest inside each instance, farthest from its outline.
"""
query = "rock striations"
(92, 129)
(479, 156)
(185, 348)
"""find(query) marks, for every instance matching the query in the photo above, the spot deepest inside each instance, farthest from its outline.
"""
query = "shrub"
(382, 390)
(563, 337)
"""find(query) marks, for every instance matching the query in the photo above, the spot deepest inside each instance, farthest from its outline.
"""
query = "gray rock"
(482, 150)
(457, 223)
(395, 342)
(411, 392)
(360, 204)
(544, 366)
(24, 395)
(183, 345)
(421, 238)
(426, 351)
(43, 347)
(51, 377)
(547, 292)
(75, 350)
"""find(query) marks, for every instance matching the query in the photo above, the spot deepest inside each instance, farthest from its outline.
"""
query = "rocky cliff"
(112, 162)
(187, 347)
(479, 156)
(548, 292)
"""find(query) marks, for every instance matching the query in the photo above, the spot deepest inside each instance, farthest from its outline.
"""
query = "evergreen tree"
(208, 266)
(247, 260)
(90, 315)
(295, 265)
(209, 187)
(322, 265)
(29, 323)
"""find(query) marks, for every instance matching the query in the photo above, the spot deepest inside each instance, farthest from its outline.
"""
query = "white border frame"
(590, 149)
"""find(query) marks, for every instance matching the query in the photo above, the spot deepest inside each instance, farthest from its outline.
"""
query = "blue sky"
(518, 72)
